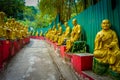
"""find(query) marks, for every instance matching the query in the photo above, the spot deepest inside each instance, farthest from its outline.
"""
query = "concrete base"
(90, 75)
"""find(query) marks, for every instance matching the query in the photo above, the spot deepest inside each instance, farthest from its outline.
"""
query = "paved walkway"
(37, 61)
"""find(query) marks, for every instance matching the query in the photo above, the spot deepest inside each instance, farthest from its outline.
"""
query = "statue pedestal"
(62, 51)
(82, 61)
(12, 48)
(20, 43)
(27, 40)
(5, 50)
(55, 46)
(99, 68)
(16, 46)
(1, 60)
(90, 75)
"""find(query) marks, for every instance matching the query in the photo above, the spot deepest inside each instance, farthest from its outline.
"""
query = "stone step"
(90, 75)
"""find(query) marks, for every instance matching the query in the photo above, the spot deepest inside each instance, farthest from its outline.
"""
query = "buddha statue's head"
(105, 24)
(74, 22)
(13, 20)
(66, 24)
(58, 24)
(8, 20)
(54, 27)
(2, 15)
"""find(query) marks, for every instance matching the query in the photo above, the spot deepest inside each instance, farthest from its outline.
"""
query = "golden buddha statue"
(12, 26)
(106, 47)
(2, 29)
(75, 35)
(65, 35)
(6, 30)
(47, 33)
(58, 33)
(41, 33)
(21, 32)
(26, 31)
(18, 30)
(2, 15)
(53, 32)
(36, 33)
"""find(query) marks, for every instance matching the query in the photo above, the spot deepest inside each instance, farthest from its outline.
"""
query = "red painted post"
(6, 50)
(12, 50)
(1, 59)
(62, 51)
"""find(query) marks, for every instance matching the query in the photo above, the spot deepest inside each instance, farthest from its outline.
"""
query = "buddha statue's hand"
(72, 40)
(108, 46)
(100, 37)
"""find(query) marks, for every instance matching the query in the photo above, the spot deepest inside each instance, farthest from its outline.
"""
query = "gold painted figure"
(58, 33)
(36, 34)
(75, 35)
(106, 46)
(12, 29)
(65, 35)
(2, 29)
(11, 26)
(2, 15)
(53, 32)
(41, 33)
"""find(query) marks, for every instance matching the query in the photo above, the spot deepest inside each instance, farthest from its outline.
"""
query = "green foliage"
(51, 7)
(66, 9)
(42, 20)
(79, 47)
(13, 8)
(48, 7)
(30, 12)
(100, 68)
(34, 18)
(63, 8)
(29, 23)
(114, 75)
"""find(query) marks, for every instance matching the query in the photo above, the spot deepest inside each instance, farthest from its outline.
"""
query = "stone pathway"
(37, 61)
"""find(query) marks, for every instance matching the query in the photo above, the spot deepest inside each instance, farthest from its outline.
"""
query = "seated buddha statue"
(36, 33)
(53, 32)
(12, 29)
(75, 35)
(27, 33)
(47, 33)
(65, 34)
(58, 33)
(106, 47)
(2, 29)
(2, 15)
(19, 32)
(41, 33)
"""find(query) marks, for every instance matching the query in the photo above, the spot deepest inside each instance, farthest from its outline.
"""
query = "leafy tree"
(43, 20)
(51, 7)
(64, 8)
(13, 8)
(30, 12)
